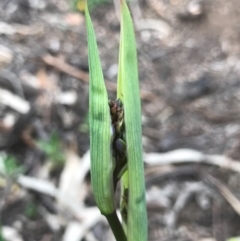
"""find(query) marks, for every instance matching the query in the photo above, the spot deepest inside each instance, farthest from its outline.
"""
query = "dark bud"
(120, 146)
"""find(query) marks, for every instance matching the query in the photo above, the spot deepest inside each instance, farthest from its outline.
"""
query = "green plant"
(53, 150)
(84, 127)
(11, 167)
(30, 210)
(117, 154)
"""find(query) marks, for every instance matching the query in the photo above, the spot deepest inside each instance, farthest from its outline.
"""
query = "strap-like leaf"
(100, 135)
(136, 215)
(119, 81)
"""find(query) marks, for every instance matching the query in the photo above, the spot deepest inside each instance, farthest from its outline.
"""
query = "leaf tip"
(85, 6)
(122, 2)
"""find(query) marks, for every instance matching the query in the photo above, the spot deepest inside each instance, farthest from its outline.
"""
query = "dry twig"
(191, 156)
(13, 101)
(226, 193)
(61, 65)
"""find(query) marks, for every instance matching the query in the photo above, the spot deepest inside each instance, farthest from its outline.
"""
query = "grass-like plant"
(11, 167)
(53, 150)
(115, 136)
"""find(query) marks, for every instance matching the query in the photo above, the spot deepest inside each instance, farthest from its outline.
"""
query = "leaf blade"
(137, 215)
(100, 135)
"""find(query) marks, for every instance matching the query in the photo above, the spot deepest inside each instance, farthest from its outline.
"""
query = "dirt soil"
(189, 71)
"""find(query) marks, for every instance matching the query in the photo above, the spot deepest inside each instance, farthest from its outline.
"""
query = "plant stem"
(116, 227)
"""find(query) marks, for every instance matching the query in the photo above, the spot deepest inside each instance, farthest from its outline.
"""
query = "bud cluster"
(118, 140)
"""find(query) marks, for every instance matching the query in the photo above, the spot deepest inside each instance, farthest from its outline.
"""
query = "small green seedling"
(30, 210)
(115, 136)
(53, 150)
(84, 126)
(10, 167)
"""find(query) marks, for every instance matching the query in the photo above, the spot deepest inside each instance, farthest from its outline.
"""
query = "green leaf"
(136, 213)
(53, 149)
(11, 166)
(30, 210)
(100, 133)
(119, 81)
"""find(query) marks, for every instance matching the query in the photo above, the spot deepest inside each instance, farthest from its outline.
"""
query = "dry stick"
(14, 101)
(226, 193)
(189, 190)
(61, 65)
(190, 156)
(47, 188)
(171, 172)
